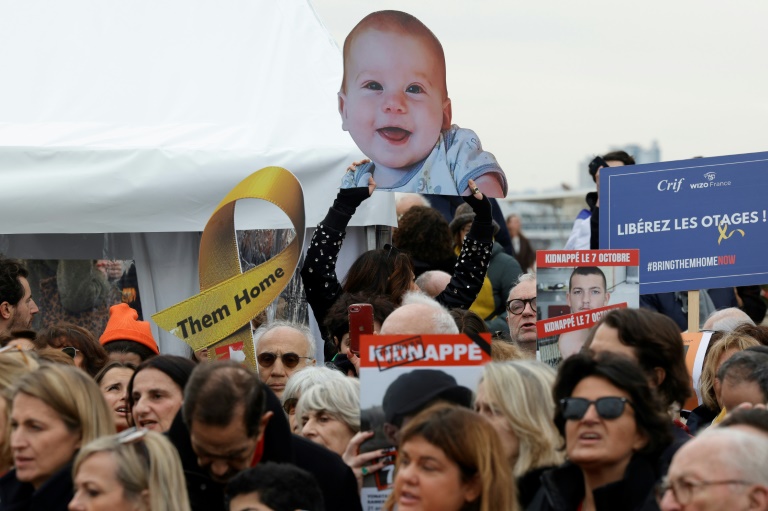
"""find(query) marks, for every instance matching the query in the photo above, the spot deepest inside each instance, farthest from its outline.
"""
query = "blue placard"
(698, 223)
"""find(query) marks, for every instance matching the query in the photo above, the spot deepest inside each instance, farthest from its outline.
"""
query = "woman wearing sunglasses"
(388, 271)
(136, 470)
(156, 391)
(615, 429)
(78, 343)
(56, 410)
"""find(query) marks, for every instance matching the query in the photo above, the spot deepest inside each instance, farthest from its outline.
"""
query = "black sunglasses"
(517, 307)
(391, 250)
(290, 405)
(290, 360)
(574, 408)
(70, 350)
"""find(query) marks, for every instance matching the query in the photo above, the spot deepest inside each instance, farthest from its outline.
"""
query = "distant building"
(546, 217)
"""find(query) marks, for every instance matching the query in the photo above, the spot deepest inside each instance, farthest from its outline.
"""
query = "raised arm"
(318, 273)
(472, 263)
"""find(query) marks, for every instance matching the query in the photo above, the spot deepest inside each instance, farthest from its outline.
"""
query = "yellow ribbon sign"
(229, 299)
(724, 235)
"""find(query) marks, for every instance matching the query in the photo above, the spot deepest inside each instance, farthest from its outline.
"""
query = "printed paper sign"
(401, 375)
(698, 223)
(695, 345)
(575, 288)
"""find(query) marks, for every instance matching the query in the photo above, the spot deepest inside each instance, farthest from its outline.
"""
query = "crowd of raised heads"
(102, 420)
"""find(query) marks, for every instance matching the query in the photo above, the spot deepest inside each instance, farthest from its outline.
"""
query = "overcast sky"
(546, 84)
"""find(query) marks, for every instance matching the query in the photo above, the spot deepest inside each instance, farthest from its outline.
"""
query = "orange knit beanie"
(124, 325)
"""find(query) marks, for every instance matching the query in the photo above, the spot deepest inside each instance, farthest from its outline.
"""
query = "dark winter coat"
(562, 489)
(334, 477)
(53, 495)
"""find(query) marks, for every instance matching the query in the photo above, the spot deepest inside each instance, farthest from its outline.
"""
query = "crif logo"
(710, 176)
(673, 185)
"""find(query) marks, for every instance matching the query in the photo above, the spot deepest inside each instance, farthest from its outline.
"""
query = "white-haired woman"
(328, 413)
(300, 382)
(137, 470)
(517, 398)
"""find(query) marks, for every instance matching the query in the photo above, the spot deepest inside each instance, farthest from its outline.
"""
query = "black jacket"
(334, 477)
(562, 489)
(53, 495)
(594, 221)
(528, 485)
(700, 419)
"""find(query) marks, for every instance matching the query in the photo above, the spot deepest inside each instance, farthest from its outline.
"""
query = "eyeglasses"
(70, 350)
(517, 307)
(290, 405)
(574, 408)
(290, 360)
(683, 490)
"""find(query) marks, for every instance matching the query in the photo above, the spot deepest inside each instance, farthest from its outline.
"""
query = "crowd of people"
(104, 420)
(93, 416)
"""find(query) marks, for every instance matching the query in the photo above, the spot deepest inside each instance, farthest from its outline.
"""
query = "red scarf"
(258, 453)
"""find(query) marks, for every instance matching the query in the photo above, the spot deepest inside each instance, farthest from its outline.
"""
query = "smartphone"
(360, 322)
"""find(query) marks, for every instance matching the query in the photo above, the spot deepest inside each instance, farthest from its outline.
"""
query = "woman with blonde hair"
(13, 364)
(137, 469)
(450, 459)
(56, 410)
(719, 352)
(517, 398)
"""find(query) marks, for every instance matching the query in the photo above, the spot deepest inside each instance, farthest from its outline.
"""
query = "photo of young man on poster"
(574, 288)
(586, 290)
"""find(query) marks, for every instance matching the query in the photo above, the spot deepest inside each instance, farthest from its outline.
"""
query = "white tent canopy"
(139, 117)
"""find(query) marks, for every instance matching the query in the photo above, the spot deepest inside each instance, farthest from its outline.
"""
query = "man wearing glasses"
(521, 314)
(282, 348)
(723, 469)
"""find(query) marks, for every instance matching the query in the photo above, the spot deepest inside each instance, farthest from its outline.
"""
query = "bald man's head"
(419, 314)
(727, 320)
(433, 282)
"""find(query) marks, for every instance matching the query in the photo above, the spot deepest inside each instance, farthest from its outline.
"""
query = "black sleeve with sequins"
(318, 272)
(471, 266)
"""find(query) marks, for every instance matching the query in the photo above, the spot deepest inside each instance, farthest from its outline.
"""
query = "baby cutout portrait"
(394, 103)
